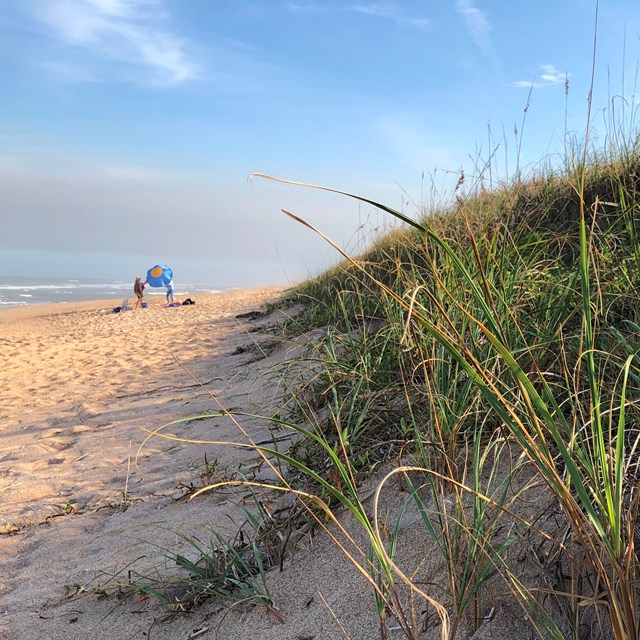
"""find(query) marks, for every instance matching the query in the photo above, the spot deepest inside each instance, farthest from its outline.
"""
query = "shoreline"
(55, 308)
(10, 313)
(21, 292)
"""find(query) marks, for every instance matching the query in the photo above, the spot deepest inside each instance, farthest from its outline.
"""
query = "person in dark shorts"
(138, 289)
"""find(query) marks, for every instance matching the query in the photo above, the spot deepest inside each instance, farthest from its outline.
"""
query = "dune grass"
(507, 323)
(482, 368)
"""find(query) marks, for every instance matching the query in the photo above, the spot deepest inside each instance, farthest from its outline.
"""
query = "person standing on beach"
(138, 289)
(170, 292)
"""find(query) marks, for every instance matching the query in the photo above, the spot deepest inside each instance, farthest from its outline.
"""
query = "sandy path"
(79, 386)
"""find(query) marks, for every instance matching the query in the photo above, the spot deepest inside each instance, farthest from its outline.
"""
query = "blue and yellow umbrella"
(159, 276)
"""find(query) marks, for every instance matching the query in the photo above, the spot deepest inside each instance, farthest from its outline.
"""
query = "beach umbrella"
(159, 276)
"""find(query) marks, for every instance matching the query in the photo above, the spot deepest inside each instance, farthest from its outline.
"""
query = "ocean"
(19, 291)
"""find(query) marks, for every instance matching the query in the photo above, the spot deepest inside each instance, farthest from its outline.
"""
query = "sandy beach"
(87, 515)
(77, 378)
(79, 512)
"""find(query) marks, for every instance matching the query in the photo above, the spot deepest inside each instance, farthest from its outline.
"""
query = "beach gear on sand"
(159, 275)
(123, 307)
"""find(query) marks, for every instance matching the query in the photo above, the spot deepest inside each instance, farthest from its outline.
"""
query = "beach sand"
(80, 385)
(84, 508)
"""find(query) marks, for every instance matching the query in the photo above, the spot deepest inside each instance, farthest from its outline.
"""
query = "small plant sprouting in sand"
(210, 473)
(124, 500)
(229, 569)
(211, 469)
(121, 503)
(67, 508)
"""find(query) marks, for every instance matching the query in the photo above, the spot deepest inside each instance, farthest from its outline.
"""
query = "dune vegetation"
(480, 367)
(488, 356)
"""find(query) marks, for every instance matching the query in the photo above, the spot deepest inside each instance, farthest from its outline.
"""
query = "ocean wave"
(62, 286)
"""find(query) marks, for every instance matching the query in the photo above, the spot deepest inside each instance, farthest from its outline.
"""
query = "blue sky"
(128, 127)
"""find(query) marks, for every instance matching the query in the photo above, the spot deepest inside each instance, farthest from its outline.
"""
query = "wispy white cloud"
(133, 32)
(477, 25)
(389, 11)
(306, 9)
(386, 10)
(549, 77)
